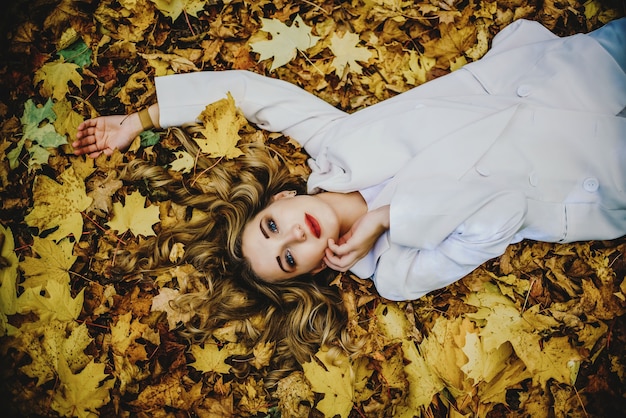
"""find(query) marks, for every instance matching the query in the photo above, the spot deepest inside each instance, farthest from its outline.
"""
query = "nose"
(297, 233)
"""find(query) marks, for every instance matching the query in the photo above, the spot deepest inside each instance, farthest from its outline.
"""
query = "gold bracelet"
(146, 120)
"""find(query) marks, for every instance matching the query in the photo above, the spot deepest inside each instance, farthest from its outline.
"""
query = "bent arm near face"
(406, 273)
(272, 104)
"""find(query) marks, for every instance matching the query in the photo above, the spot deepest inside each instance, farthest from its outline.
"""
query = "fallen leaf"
(286, 41)
(335, 381)
(59, 205)
(221, 124)
(53, 264)
(347, 53)
(133, 216)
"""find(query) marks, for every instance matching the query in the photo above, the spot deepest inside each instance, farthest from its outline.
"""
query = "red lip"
(313, 225)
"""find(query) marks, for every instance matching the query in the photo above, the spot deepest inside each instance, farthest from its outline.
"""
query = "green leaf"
(77, 53)
(37, 125)
(149, 138)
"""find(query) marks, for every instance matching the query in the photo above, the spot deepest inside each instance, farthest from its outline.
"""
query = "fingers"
(339, 263)
(83, 147)
(87, 127)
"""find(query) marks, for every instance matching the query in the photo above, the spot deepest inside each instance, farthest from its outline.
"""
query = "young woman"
(416, 191)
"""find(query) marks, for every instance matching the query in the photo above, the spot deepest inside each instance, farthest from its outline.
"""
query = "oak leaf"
(54, 262)
(221, 124)
(286, 41)
(134, 216)
(59, 205)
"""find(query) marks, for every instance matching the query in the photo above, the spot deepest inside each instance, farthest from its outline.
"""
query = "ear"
(284, 194)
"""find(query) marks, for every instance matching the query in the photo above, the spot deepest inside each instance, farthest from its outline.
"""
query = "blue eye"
(271, 225)
(289, 258)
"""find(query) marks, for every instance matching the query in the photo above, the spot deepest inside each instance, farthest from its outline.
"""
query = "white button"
(523, 90)
(533, 179)
(483, 171)
(591, 184)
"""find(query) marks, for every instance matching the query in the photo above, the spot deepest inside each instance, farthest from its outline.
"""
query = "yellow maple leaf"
(46, 344)
(419, 66)
(134, 216)
(454, 42)
(347, 53)
(423, 383)
(55, 77)
(482, 365)
(335, 381)
(442, 353)
(502, 322)
(8, 279)
(174, 8)
(53, 263)
(67, 119)
(81, 394)
(211, 358)
(286, 41)
(59, 205)
(56, 303)
(221, 124)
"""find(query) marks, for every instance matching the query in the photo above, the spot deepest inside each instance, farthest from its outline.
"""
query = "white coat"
(524, 143)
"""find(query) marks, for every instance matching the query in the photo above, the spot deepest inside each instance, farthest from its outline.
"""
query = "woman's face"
(289, 237)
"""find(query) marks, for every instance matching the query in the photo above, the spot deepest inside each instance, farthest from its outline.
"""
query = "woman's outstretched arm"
(105, 134)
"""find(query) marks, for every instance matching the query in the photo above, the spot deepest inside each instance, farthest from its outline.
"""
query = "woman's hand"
(104, 134)
(358, 241)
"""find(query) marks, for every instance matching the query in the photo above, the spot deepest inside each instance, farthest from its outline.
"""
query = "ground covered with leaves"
(538, 332)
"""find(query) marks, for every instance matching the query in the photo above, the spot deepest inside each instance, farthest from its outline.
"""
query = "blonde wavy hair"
(298, 316)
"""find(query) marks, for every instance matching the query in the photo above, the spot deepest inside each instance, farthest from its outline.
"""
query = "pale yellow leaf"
(286, 41)
(183, 163)
(54, 262)
(211, 358)
(162, 303)
(56, 303)
(221, 124)
(335, 381)
(347, 53)
(8, 278)
(423, 383)
(81, 394)
(134, 216)
(59, 205)
(55, 78)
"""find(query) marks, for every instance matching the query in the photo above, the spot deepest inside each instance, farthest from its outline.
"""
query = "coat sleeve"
(415, 265)
(272, 104)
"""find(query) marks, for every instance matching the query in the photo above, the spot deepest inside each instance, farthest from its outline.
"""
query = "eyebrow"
(280, 263)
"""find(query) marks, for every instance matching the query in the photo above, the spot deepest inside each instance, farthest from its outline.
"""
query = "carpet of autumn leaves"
(539, 332)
